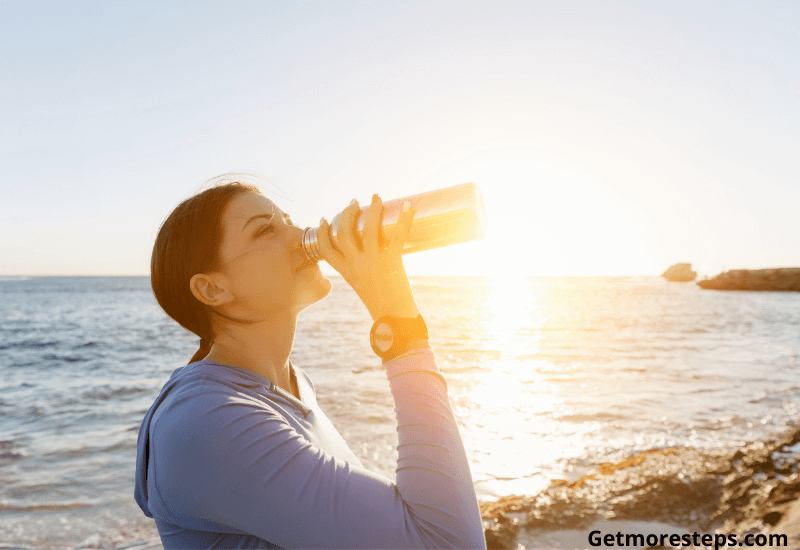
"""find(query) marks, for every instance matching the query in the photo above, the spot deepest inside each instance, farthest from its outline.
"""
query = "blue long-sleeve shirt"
(227, 459)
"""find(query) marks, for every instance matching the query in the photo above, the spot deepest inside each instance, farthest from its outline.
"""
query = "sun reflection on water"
(513, 316)
(513, 404)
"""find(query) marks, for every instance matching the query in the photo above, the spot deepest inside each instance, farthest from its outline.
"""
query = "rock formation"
(680, 273)
(755, 488)
(784, 278)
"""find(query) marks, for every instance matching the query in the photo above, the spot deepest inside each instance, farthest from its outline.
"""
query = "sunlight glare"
(513, 316)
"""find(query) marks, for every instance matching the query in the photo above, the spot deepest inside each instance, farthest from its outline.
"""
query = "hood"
(143, 443)
(237, 378)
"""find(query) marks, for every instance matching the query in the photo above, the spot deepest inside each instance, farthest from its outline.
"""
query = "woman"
(235, 452)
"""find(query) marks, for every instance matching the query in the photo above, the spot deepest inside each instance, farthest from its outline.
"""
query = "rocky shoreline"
(755, 489)
(783, 279)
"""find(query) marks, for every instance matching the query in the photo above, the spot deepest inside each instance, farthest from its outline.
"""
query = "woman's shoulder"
(198, 387)
(211, 373)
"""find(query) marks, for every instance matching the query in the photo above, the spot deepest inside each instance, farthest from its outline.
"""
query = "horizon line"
(340, 277)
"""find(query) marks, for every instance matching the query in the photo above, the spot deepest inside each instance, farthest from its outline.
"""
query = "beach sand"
(790, 524)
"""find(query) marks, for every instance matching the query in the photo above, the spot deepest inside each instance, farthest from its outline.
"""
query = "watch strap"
(419, 343)
(405, 331)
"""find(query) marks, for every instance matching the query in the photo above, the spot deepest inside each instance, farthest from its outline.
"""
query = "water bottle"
(450, 215)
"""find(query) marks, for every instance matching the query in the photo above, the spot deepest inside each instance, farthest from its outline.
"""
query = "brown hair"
(188, 243)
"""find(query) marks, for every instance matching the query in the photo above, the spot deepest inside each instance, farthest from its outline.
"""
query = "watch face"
(383, 337)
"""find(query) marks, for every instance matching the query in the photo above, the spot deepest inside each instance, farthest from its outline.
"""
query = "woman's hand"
(377, 275)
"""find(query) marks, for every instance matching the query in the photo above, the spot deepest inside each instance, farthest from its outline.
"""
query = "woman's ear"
(210, 289)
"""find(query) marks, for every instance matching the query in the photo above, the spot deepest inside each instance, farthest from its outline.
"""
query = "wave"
(105, 393)
(29, 344)
(7, 450)
(594, 417)
(66, 358)
(43, 507)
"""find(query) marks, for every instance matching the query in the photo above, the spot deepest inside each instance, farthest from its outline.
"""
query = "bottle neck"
(311, 244)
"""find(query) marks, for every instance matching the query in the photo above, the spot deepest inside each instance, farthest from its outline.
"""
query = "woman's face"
(262, 262)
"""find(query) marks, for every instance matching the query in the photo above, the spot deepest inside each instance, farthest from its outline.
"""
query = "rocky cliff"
(783, 278)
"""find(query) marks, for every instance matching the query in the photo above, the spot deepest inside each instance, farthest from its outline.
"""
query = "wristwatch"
(390, 336)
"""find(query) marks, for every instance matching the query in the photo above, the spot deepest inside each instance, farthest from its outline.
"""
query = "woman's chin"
(318, 290)
(325, 287)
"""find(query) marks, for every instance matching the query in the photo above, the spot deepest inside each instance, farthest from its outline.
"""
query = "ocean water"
(548, 377)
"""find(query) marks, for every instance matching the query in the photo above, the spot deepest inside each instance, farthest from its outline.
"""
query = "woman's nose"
(296, 235)
(296, 240)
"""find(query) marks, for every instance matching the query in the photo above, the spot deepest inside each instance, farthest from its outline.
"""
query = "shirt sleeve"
(244, 466)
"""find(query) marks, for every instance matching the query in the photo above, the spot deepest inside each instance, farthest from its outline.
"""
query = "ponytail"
(205, 347)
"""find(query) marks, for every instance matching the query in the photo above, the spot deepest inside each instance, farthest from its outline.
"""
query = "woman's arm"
(433, 473)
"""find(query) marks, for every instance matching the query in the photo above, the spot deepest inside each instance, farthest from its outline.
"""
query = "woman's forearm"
(433, 473)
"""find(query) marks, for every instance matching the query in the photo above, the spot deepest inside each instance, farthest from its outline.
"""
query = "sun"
(545, 217)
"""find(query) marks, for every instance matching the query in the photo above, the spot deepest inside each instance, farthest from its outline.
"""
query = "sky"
(607, 138)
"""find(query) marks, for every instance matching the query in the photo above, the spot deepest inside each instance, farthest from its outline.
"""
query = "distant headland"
(782, 278)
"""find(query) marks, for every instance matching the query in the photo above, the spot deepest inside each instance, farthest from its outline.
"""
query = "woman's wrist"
(392, 296)
(419, 343)
(399, 303)
(403, 310)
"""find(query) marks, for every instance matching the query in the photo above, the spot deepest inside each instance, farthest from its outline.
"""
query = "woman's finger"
(326, 249)
(345, 239)
(372, 225)
(401, 230)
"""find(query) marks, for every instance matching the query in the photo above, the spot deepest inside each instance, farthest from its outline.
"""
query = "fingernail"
(352, 202)
(375, 197)
(322, 221)
(406, 206)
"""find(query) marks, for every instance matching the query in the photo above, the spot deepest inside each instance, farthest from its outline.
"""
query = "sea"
(548, 378)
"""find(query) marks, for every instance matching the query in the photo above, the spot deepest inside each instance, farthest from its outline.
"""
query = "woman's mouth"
(305, 264)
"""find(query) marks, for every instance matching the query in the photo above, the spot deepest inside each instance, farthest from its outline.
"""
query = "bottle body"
(442, 217)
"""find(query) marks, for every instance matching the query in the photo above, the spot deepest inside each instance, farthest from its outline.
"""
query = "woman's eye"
(266, 229)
